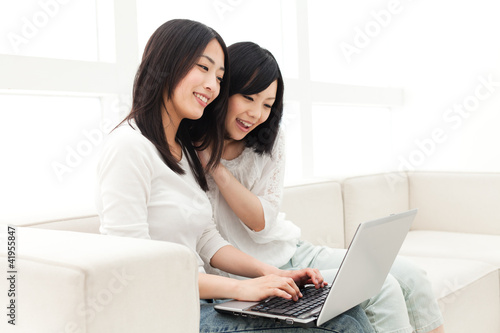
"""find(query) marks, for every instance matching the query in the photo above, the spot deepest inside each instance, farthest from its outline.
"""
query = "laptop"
(360, 276)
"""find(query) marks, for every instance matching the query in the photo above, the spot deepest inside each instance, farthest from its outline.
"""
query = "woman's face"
(200, 86)
(246, 112)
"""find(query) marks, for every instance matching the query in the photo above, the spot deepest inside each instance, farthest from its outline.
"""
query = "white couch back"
(446, 201)
(87, 224)
(374, 196)
(318, 210)
(328, 212)
(459, 202)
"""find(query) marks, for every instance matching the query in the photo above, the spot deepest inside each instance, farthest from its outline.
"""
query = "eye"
(220, 79)
(268, 106)
(203, 67)
(248, 98)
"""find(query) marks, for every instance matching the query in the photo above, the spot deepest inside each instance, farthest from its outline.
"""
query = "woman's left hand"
(305, 276)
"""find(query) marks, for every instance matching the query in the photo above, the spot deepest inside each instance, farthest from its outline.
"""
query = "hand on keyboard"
(305, 276)
(263, 287)
(309, 305)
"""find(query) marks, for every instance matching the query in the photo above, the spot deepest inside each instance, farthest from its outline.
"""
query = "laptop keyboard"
(308, 305)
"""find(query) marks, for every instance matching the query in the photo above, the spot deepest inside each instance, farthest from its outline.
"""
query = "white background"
(371, 86)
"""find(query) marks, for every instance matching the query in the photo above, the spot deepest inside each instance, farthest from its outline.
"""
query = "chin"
(196, 115)
(239, 137)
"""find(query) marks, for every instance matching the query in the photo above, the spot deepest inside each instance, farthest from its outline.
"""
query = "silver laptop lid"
(367, 263)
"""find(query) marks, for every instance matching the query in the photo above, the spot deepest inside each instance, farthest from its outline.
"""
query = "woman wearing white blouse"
(151, 183)
(246, 190)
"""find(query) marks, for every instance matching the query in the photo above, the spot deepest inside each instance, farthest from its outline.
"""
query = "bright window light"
(235, 21)
(293, 141)
(75, 30)
(50, 145)
(350, 140)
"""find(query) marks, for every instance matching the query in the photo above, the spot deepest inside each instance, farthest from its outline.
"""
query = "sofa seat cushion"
(465, 289)
(449, 276)
(457, 245)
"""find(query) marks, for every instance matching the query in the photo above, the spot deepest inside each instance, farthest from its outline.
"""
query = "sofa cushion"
(443, 244)
(468, 293)
(374, 196)
(317, 209)
(463, 202)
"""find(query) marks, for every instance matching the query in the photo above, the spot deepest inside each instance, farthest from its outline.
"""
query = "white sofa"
(76, 282)
(71, 280)
(455, 236)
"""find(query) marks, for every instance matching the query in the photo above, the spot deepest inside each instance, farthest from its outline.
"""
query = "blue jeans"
(351, 321)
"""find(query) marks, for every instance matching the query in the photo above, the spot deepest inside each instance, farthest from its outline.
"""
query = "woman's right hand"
(263, 287)
(204, 156)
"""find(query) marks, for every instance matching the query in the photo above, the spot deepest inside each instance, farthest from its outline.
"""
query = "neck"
(232, 149)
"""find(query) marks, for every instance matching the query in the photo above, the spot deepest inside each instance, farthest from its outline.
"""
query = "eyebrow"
(266, 98)
(212, 61)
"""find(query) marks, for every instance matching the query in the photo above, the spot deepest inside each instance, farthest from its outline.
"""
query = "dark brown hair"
(253, 69)
(171, 52)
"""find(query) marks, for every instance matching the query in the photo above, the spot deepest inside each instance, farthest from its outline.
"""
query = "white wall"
(370, 85)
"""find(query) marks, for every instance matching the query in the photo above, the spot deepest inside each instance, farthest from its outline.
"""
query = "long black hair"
(170, 54)
(253, 69)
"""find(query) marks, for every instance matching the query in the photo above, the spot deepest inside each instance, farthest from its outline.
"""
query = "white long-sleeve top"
(263, 175)
(139, 196)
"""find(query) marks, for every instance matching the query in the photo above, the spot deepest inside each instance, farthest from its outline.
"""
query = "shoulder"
(127, 136)
(279, 144)
(128, 142)
(125, 133)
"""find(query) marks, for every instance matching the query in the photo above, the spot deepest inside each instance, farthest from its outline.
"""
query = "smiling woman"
(246, 112)
(246, 193)
(173, 73)
(198, 88)
(150, 182)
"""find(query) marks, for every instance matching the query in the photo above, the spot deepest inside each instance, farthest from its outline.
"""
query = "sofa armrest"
(87, 283)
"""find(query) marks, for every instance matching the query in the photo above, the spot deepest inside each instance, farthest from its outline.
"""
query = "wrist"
(221, 176)
(215, 172)
(235, 289)
(268, 270)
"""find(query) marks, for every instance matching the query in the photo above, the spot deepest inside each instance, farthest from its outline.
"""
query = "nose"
(212, 84)
(255, 112)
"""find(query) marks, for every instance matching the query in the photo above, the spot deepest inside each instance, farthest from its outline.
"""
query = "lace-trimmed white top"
(263, 175)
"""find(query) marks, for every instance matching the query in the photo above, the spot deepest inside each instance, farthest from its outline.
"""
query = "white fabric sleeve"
(209, 243)
(124, 185)
(269, 188)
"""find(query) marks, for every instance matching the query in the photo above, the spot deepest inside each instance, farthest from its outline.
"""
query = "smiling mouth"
(243, 123)
(201, 98)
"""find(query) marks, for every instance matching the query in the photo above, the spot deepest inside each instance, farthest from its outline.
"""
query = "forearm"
(243, 203)
(215, 286)
(231, 260)
(267, 280)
